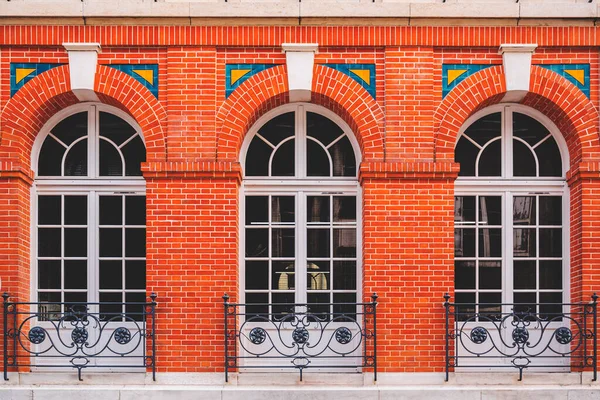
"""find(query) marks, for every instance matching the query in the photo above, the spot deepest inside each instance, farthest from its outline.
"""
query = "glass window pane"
(135, 210)
(344, 307)
(49, 210)
(344, 243)
(466, 154)
(283, 163)
(528, 129)
(279, 128)
(111, 242)
(466, 309)
(344, 209)
(76, 242)
(110, 160)
(490, 275)
(110, 312)
(318, 275)
(76, 210)
(111, 274)
(135, 242)
(550, 210)
(49, 242)
(283, 209)
(490, 210)
(282, 305)
(111, 210)
(549, 158)
(317, 161)
(49, 274)
(75, 297)
(318, 305)
(485, 129)
(115, 128)
(489, 306)
(550, 307)
(75, 274)
(551, 274)
(464, 274)
(284, 242)
(490, 161)
(464, 209)
(524, 242)
(49, 312)
(257, 305)
(523, 160)
(524, 275)
(322, 128)
(257, 275)
(524, 210)
(318, 243)
(71, 128)
(317, 209)
(525, 302)
(283, 278)
(135, 311)
(135, 274)
(134, 154)
(50, 158)
(490, 242)
(464, 242)
(550, 242)
(257, 242)
(344, 160)
(344, 275)
(257, 158)
(76, 160)
(257, 209)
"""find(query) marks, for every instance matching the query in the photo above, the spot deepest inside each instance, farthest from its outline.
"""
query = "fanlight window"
(274, 149)
(533, 153)
(67, 150)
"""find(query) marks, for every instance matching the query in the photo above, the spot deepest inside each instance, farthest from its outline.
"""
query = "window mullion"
(93, 245)
(300, 133)
(301, 245)
(92, 142)
(507, 148)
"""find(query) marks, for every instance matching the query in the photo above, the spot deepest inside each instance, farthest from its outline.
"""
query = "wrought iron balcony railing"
(542, 336)
(79, 335)
(330, 336)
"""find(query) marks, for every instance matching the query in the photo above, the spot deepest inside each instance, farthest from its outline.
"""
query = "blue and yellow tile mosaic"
(21, 73)
(364, 74)
(577, 74)
(453, 74)
(236, 74)
(146, 74)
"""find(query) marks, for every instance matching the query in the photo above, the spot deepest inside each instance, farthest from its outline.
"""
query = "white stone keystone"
(516, 59)
(300, 61)
(83, 58)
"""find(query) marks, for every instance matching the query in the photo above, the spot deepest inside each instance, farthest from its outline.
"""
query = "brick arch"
(269, 89)
(549, 93)
(39, 99)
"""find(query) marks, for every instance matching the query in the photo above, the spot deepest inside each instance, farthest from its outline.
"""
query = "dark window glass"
(111, 312)
(523, 160)
(110, 160)
(524, 242)
(317, 305)
(257, 158)
(283, 278)
(466, 154)
(283, 242)
(282, 305)
(464, 274)
(135, 274)
(135, 311)
(490, 242)
(550, 307)
(344, 160)
(322, 128)
(111, 243)
(135, 210)
(525, 302)
(485, 128)
(344, 243)
(76, 160)
(550, 210)
(490, 161)
(344, 275)
(344, 308)
(284, 159)
(279, 128)
(524, 276)
(257, 209)
(464, 209)
(318, 243)
(283, 209)
(49, 274)
(50, 158)
(75, 297)
(550, 242)
(76, 210)
(257, 275)
(75, 274)
(549, 158)
(524, 210)
(111, 210)
(258, 307)
(489, 306)
(528, 129)
(135, 242)
(490, 210)
(115, 128)
(76, 242)
(49, 244)
(49, 210)
(490, 275)
(317, 209)
(111, 274)
(317, 161)
(344, 209)
(134, 153)
(464, 242)
(71, 128)
(551, 274)
(257, 242)
(466, 309)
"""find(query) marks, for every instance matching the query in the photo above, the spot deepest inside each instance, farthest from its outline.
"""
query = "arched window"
(301, 220)
(511, 212)
(89, 209)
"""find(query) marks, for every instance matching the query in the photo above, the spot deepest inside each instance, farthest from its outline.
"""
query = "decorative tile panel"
(21, 73)
(577, 74)
(453, 74)
(236, 74)
(364, 74)
(146, 74)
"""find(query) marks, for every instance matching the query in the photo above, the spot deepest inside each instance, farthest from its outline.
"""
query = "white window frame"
(301, 186)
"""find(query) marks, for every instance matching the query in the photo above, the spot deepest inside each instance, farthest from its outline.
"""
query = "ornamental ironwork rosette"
(343, 335)
(563, 335)
(258, 335)
(300, 335)
(520, 335)
(479, 335)
(37, 335)
(79, 335)
(122, 335)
